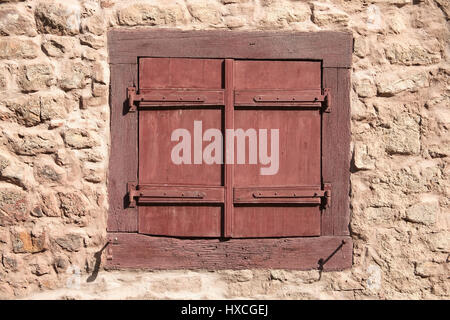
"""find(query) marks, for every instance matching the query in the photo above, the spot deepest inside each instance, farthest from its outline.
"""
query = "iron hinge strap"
(215, 97)
(289, 194)
(293, 97)
(162, 97)
(293, 194)
(144, 194)
(172, 98)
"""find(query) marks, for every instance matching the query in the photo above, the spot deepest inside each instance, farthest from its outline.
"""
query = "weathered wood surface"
(228, 218)
(194, 220)
(140, 251)
(123, 159)
(342, 154)
(336, 152)
(333, 48)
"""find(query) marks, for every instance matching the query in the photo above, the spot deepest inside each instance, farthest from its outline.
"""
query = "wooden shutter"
(279, 95)
(178, 200)
(265, 77)
(231, 200)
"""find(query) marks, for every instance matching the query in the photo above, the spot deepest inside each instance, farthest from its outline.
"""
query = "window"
(229, 150)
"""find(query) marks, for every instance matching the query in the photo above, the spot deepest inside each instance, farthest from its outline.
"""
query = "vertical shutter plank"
(229, 168)
(336, 151)
(123, 151)
(156, 166)
(329, 81)
(341, 218)
(299, 149)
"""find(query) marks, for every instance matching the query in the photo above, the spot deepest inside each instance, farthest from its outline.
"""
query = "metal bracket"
(326, 104)
(322, 261)
(132, 193)
(326, 198)
(215, 97)
(293, 194)
(132, 97)
(280, 98)
(171, 194)
(289, 194)
(144, 194)
(172, 97)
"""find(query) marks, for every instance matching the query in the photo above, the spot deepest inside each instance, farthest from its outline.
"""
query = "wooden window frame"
(128, 249)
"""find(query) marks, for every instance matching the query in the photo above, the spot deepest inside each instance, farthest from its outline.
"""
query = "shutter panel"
(178, 199)
(279, 95)
(232, 200)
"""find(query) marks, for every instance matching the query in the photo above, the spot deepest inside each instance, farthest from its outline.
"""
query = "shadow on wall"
(98, 260)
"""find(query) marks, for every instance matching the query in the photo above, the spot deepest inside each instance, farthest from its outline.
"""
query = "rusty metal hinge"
(299, 194)
(289, 194)
(326, 104)
(132, 98)
(173, 97)
(143, 194)
(281, 97)
(132, 193)
(326, 198)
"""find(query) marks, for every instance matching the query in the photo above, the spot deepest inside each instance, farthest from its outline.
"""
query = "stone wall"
(54, 137)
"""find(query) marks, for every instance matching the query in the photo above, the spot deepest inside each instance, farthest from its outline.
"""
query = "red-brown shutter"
(270, 95)
(178, 200)
(201, 200)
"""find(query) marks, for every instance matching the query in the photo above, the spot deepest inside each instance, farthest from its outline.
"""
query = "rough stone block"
(391, 83)
(58, 18)
(16, 22)
(57, 46)
(72, 204)
(78, 139)
(13, 206)
(281, 14)
(148, 14)
(31, 144)
(325, 14)
(70, 242)
(423, 212)
(412, 53)
(24, 241)
(12, 48)
(36, 76)
(74, 75)
(403, 137)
